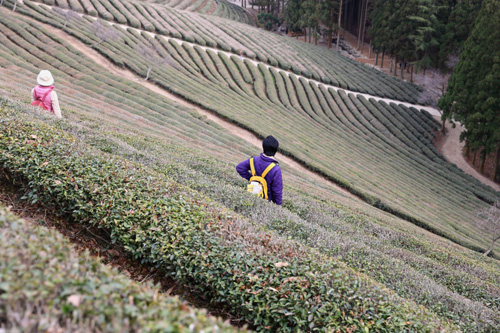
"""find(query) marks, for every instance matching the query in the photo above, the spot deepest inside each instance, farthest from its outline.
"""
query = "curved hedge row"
(347, 159)
(308, 60)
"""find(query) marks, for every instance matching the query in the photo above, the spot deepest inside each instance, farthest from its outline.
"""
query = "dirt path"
(451, 148)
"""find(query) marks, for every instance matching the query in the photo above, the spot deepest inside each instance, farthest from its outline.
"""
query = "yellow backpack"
(258, 184)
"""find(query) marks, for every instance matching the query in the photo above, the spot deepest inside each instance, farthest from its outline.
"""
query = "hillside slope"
(121, 117)
(350, 133)
(221, 8)
(76, 287)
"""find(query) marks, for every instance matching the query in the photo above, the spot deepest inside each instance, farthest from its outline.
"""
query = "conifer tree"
(473, 93)
(293, 15)
(458, 27)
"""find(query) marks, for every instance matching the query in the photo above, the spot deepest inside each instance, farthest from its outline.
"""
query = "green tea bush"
(247, 77)
(162, 223)
(101, 10)
(89, 8)
(40, 270)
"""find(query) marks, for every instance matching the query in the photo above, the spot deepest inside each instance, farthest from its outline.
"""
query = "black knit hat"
(270, 145)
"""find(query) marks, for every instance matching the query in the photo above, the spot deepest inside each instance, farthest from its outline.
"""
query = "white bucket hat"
(45, 78)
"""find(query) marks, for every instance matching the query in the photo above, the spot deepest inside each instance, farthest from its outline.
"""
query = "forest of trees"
(473, 93)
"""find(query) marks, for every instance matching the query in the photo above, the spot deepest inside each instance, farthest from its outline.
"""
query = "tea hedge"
(233, 199)
(46, 286)
(163, 224)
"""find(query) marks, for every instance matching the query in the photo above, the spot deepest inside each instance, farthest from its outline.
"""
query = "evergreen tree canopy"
(460, 23)
(473, 93)
(311, 13)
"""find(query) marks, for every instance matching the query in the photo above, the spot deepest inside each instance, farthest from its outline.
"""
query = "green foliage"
(340, 136)
(162, 223)
(472, 96)
(268, 20)
(75, 292)
(458, 28)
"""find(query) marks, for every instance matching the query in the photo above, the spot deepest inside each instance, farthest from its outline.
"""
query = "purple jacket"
(273, 178)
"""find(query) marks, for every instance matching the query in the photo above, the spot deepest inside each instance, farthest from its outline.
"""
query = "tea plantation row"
(355, 144)
(46, 286)
(165, 224)
(221, 8)
(418, 264)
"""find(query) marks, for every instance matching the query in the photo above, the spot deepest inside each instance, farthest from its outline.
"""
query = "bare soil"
(450, 146)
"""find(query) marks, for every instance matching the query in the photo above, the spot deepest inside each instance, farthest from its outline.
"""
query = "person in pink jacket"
(44, 93)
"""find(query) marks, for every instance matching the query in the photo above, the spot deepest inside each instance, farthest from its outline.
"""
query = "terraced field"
(317, 62)
(221, 8)
(338, 134)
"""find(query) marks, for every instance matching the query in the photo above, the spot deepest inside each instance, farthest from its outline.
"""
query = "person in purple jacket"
(273, 178)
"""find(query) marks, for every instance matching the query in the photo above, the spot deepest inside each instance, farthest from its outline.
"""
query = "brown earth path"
(452, 149)
(450, 146)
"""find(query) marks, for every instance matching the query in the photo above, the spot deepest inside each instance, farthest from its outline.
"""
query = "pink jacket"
(51, 101)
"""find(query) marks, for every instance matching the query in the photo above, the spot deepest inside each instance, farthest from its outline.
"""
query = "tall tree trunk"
(330, 28)
(338, 31)
(316, 34)
(360, 18)
(483, 160)
(382, 62)
(376, 59)
(494, 176)
(370, 52)
(474, 159)
(402, 70)
(364, 27)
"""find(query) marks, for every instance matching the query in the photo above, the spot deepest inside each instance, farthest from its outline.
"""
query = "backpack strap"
(266, 171)
(252, 167)
(269, 167)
